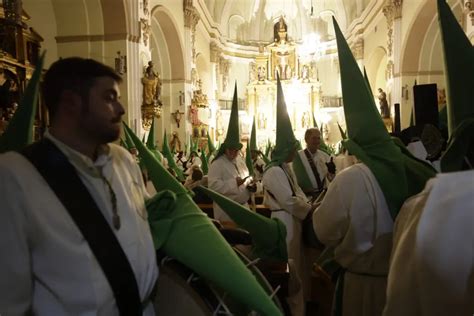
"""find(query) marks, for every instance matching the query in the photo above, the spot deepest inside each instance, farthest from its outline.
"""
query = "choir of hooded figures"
(431, 269)
(356, 215)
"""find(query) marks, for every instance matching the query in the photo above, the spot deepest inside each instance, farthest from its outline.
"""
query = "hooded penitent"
(151, 143)
(184, 232)
(211, 149)
(170, 157)
(204, 163)
(459, 65)
(285, 142)
(19, 132)
(232, 138)
(252, 145)
(398, 173)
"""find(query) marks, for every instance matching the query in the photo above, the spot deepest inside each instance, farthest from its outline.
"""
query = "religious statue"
(151, 86)
(261, 73)
(252, 72)
(384, 110)
(280, 31)
(175, 142)
(193, 114)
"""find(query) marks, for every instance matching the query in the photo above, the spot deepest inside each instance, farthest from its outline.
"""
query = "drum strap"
(61, 176)
(309, 156)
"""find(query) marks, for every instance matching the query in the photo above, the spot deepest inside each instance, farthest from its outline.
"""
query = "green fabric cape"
(398, 173)
(185, 233)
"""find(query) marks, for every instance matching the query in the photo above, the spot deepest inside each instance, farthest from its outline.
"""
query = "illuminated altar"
(300, 85)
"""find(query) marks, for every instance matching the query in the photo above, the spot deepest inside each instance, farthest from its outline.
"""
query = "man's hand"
(331, 166)
(240, 181)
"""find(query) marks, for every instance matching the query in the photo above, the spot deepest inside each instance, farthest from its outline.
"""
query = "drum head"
(181, 292)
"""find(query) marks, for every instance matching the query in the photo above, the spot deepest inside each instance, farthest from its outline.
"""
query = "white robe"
(295, 209)
(354, 218)
(221, 178)
(320, 159)
(432, 264)
(47, 266)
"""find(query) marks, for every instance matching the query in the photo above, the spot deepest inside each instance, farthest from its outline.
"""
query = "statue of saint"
(384, 110)
(151, 86)
(280, 30)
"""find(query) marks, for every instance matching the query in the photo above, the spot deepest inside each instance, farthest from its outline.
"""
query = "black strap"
(309, 156)
(55, 168)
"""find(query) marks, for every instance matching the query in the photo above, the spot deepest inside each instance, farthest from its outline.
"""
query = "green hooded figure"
(19, 132)
(286, 142)
(251, 146)
(211, 149)
(459, 65)
(182, 230)
(232, 138)
(399, 174)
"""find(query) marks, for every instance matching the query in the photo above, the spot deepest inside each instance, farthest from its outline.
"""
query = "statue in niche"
(305, 73)
(175, 142)
(261, 73)
(384, 110)
(151, 86)
(280, 30)
(252, 72)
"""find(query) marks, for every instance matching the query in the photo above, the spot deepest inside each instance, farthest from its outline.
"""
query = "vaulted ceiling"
(252, 20)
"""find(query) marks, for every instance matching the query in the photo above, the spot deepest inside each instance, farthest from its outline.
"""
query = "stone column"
(191, 19)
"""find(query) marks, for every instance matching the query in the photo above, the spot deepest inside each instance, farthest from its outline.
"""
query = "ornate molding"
(146, 30)
(358, 48)
(191, 18)
(397, 8)
(215, 51)
(389, 12)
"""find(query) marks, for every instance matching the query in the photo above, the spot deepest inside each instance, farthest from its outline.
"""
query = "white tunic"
(354, 218)
(320, 159)
(432, 264)
(294, 208)
(221, 178)
(47, 266)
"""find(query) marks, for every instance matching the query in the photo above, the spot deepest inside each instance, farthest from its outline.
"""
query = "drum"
(181, 292)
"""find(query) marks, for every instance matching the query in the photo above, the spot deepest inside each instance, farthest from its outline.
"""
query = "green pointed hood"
(178, 225)
(367, 80)
(253, 137)
(285, 138)
(19, 132)
(232, 138)
(204, 163)
(268, 235)
(341, 131)
(150, 142)
(194, 145)
(398, 173)
(459, 66)
(128, 140)
(248, 160)
(211, 149)
(170, 157)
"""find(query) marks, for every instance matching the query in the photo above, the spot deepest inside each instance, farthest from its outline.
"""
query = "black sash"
(309, 156)
(76, 199)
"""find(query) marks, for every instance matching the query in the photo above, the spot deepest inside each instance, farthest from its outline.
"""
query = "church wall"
(375, 53)
(43, 21)
(329, 75)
